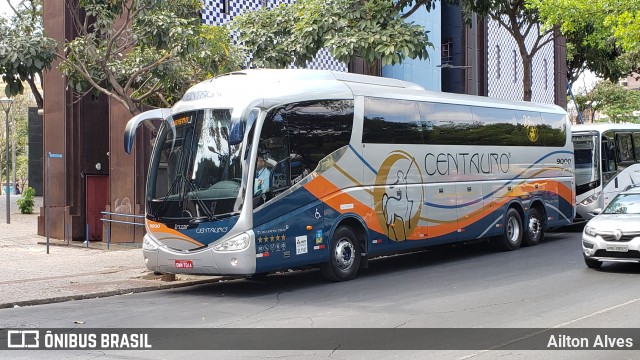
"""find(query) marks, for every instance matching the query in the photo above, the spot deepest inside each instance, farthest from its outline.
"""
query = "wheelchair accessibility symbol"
(318, 214)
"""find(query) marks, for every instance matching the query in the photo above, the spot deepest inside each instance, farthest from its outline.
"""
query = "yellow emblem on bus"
(398, 195)
(532, 133)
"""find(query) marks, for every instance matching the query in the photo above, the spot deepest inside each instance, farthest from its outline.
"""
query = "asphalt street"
(471, 286)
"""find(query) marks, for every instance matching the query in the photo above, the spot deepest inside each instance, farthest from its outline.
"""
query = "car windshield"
(624, 204)
(195, 172)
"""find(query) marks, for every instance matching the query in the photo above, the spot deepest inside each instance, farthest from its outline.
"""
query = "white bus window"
(636, 145)
(625, 147)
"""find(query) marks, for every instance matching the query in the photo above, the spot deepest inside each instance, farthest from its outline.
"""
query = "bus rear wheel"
(511, 239)
(344, 257)
(534, 232)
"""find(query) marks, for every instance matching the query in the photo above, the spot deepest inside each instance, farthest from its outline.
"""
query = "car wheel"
(534, 233)
(511, 238)
(344, 257)
(592, 263)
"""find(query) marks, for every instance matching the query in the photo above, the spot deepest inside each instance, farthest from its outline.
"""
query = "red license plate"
(184, 264)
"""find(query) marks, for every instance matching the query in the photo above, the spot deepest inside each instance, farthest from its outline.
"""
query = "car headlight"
(236, 243)
(591, 231)
(591, 198)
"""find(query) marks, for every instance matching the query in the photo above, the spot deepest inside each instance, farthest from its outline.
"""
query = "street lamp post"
(6, 106)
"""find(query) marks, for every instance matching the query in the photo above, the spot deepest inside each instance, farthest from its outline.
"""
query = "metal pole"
(46, 200)
(8, 191)
(13, 150)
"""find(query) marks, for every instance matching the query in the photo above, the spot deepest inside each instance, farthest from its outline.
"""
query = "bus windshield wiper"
(176, 183)
(193, 191)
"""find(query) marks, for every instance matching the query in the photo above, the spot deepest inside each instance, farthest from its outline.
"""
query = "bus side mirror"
(132, 125)
(236, 133)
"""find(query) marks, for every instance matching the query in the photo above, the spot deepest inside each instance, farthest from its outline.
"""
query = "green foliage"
(25, 203)
(18, 139)
(24, 50)
(373, 29)
(601, 35)
(145, 52)
(617, 103)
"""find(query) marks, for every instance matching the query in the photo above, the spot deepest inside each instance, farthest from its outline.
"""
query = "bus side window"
(608, 159)
(625, 147)
(273, 147)
(317, 129)
(636, 145)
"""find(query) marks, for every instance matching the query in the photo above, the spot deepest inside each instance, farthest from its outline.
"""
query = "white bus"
(358, 167)
(607, 157)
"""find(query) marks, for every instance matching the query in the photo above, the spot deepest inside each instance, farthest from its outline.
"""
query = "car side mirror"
(596, 211)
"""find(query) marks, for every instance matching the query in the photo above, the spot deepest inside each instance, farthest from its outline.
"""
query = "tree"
(144, 52)
(370, 29)
(523, 25)
(595, 36)
(18, 133)
(24, 50)
(617, 103)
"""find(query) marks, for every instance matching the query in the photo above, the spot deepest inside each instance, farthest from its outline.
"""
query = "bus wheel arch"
(511, 238)
(535, 224)
(346, 250)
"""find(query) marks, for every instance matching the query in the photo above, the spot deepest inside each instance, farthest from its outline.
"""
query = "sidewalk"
(31, 276)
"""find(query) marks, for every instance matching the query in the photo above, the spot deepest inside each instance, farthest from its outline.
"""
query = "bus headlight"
(236, 243)
(591, 231)
(591, 199)
(149, 244)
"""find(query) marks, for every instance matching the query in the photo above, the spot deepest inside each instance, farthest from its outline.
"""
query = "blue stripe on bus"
(363, 160)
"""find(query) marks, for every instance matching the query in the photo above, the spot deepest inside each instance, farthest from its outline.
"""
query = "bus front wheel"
(511, 239)
(344, 259)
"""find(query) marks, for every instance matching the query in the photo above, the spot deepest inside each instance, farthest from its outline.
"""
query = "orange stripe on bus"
(160, 228)
(320, 187)
(332, 196)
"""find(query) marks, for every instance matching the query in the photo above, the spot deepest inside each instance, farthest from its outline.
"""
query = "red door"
(97, 199)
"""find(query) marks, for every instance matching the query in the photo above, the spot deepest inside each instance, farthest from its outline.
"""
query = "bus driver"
(261, 183)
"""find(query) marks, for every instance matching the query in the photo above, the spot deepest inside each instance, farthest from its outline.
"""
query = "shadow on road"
(432, 258)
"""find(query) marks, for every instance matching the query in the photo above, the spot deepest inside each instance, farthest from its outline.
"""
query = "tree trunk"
(526, 77)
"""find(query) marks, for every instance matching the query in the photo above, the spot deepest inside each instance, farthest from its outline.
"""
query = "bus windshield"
(195, 173)
(586, 153)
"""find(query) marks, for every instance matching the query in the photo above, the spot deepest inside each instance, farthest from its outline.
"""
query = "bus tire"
(344, 256)
(534, 232)
(511, 238)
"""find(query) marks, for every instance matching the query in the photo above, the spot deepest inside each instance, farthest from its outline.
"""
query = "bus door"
(609, 168)
(626, 171)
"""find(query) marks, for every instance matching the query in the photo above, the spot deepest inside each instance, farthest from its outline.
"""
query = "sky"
(5, 10)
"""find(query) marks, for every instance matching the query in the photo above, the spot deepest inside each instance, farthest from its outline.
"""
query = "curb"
(109, 293)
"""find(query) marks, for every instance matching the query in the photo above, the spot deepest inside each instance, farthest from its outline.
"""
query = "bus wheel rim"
(344, 254)
(513, 231)
(534, 227)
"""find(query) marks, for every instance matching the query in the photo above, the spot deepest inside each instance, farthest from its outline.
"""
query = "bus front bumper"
(206, 261)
